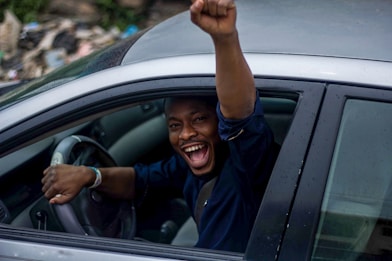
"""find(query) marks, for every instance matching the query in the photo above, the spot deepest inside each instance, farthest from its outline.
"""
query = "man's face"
(193, 133)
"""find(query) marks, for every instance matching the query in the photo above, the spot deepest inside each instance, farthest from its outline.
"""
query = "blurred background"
(38, 36)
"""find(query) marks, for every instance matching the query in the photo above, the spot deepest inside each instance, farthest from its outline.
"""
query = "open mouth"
(197, 155)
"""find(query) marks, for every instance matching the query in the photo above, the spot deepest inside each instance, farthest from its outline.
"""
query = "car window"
(135, 133)
(356, 214)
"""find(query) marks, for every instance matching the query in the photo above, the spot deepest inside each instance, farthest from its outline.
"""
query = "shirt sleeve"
(166, 173)
(227, 220)
(231, 129)
(249, 140)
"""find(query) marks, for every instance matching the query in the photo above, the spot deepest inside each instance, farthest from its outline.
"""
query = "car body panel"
(268, 26)
(9, 86)
(319, 53)
(30, 245)
(283, 66)
(19, 250)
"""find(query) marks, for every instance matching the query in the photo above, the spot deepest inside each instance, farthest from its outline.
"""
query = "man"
(230, 142)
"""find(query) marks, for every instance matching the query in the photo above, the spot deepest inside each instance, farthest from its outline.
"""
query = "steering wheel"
(91, 212)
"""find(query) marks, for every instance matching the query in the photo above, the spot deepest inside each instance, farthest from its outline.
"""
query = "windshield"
(100, 60)
(49, 81)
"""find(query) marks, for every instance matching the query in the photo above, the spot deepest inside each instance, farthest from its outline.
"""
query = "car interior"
(136, 134)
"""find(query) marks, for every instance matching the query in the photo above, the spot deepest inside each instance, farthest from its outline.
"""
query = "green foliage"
(113, 14)
(26, 10)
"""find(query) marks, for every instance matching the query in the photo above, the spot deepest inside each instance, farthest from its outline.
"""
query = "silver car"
(324, 73)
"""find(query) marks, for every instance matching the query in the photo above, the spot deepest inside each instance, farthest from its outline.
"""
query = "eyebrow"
(191, 114)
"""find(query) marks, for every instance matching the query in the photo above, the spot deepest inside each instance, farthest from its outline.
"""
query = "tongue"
(198, 154)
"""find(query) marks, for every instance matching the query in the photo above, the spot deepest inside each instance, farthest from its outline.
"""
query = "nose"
(187, 132)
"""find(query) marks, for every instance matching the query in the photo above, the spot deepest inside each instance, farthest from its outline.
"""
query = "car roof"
(281, 39)
(359, 29)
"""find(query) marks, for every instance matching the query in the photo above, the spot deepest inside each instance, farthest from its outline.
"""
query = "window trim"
(304, 218)
(271, 221)
(123, 95)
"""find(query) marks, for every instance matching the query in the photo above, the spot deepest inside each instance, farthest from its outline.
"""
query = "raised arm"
(234, 80)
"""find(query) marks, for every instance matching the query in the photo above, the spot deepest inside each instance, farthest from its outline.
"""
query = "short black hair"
(209, 100)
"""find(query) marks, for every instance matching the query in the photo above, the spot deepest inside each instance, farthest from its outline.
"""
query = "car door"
(342, 210)
(306, 97)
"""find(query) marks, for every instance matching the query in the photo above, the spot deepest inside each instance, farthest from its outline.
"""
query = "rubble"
(9, 33)
(32, 50)
(36, 49)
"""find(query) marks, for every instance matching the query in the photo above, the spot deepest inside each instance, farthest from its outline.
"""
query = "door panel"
(341, 211)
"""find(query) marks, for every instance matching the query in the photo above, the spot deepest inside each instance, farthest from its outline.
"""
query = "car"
(323, 70)
(8, 86)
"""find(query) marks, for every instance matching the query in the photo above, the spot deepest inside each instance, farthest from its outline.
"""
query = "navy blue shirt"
(243, 171)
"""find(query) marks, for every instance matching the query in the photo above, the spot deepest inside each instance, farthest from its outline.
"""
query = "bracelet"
(98, 177)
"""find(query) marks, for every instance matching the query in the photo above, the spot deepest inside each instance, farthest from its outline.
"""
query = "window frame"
(310, 95)
(271, 221)
(304, 218)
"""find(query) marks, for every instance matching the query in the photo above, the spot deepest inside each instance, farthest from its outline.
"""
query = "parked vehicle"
(8, 86)
(324, 73)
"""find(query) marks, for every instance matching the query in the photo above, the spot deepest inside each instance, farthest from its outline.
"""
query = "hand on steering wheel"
(89, 212)
(62, 182)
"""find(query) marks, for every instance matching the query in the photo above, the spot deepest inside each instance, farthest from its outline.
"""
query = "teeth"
(193, 148)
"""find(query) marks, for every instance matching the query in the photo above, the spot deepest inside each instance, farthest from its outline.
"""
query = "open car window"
(137, 133)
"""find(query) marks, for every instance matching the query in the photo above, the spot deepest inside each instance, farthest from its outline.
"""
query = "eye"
(173, 126)
(200, 119)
